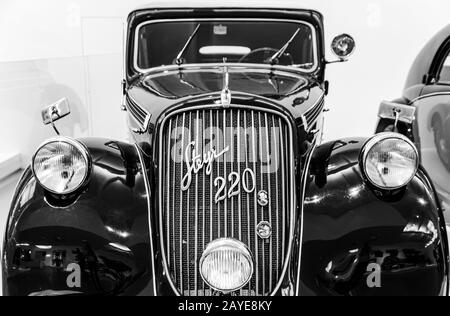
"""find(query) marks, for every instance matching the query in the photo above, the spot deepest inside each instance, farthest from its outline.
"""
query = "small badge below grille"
(263, 198)
(264, 230)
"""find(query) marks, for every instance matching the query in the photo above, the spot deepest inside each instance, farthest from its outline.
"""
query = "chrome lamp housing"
(389, 161)
(61, 165)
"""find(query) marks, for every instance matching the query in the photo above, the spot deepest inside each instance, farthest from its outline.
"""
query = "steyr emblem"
(263, 198)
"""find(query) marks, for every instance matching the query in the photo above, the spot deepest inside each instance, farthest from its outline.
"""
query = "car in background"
(423, 112)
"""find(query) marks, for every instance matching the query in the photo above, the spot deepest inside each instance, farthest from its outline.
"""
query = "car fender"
(100, 244)
(360, 241)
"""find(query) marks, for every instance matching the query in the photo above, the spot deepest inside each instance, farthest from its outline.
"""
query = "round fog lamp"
(61, 165)
(226, 265)
(390, 160)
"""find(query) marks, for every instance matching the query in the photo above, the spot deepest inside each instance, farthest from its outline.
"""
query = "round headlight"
(61, 165)
(390, 160)
(226, 265)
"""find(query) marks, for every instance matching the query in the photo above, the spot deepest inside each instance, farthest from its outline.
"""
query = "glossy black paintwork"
(105, 231)
(348, 226)
(112, 210)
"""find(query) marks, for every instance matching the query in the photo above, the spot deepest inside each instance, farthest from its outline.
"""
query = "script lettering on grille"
(198, 162)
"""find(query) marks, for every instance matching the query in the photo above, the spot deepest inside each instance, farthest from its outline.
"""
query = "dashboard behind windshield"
(284, 43)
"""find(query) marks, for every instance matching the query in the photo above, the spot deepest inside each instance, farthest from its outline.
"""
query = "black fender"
(360, 241)
(100, 244)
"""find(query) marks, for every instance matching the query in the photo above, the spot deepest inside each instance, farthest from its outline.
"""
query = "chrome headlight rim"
(78, 146)
(375, 140)
(227, 242)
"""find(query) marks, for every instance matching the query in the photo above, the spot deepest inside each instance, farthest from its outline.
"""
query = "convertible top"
(262, 4)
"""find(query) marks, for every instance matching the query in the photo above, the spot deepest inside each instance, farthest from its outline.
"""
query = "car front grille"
(191, 218)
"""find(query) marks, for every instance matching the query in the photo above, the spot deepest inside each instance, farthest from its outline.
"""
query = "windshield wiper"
(283, 49)
(179, 59)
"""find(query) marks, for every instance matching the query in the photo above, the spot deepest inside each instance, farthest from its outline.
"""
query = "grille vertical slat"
(277, 227)
(169, 137)
(269, 174)
(181, 210)
(247, 156)
(283, 195)
(255, 205)
(174, 167)
(196, 210)
(204, 194)
(225, 142)
(257, 141)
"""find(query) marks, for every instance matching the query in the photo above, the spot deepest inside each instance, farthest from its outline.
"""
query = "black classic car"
(226, 189)
(423, 112)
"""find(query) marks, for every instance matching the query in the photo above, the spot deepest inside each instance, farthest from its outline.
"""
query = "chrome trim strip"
(218, 171)
(269, 174)
(225, 209)
(196, 211)
(203, 195)
(307, 122)
(292, 184)
(256, 204)
(312, 107)
(247, 154)
(302, 208)
(162, 68)
(173, 205)
(263, 246)
(283, 192)
(430, 95)
(277, 206)
(188, 222)
(168, 185)
(181, 211)
(144, 125)
(147, 189)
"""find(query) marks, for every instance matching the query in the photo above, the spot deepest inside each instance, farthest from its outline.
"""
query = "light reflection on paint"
(42, 247)
(120, 247)
(422, 201)
(117, 232)
(314, 199)
(355, 191)
(429, 230)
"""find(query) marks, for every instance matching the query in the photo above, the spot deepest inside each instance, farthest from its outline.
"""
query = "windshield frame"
(314, 34)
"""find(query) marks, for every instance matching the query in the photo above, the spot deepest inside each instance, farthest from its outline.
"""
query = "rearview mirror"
(55, 111)
(343, 46)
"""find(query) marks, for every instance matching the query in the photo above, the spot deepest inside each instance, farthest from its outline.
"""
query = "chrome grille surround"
(184, 278)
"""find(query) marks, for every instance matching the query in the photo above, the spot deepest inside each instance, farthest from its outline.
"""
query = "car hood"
(267, 83)
(297, 94)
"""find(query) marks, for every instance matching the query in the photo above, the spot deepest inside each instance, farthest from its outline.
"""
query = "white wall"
(57, 48)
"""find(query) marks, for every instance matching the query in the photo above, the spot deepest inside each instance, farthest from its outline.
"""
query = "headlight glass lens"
(61, 166)
(226, 265)
(390, 161)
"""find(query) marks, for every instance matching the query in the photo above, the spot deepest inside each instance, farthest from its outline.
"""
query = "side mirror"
(343, 46)
(54, 112)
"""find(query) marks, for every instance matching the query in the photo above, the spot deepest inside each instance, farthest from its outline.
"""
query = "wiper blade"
(283, 49)
(179, 59)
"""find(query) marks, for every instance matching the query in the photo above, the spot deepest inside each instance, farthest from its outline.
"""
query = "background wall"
(66, 48)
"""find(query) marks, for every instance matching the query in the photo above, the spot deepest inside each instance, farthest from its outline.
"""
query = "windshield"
(234, 41)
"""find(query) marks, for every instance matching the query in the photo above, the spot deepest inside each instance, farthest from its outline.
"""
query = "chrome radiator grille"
(251, 144)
